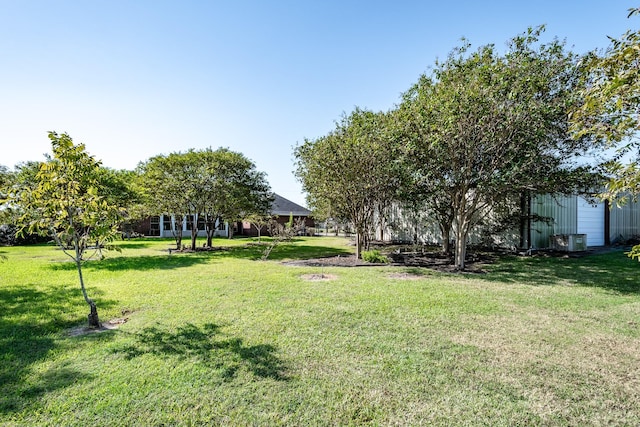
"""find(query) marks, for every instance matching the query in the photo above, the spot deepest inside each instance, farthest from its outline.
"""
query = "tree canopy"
(348, 173)
(204, 187)
(611, 111)
(484, 127)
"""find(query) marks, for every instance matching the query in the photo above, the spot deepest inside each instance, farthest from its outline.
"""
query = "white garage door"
(591, 222)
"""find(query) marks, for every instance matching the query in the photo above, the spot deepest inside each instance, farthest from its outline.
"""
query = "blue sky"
(133, 79)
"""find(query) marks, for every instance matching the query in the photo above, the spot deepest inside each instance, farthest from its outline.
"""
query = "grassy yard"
(223, 338)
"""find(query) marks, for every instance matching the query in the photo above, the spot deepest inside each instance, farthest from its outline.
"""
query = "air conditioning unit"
(568, 242)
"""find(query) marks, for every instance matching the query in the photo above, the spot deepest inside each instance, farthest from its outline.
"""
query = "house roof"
(285, 207)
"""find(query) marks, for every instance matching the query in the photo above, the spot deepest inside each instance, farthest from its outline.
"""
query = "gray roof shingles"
(282, 206)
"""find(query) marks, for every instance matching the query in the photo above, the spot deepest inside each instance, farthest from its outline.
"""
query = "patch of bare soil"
(106, 326)
(318, 277)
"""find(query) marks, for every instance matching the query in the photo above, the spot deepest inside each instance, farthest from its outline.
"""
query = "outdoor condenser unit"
(568, 242)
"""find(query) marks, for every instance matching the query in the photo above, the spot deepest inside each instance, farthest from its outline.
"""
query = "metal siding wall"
(564, 211)
(402, 226)
(625, 221)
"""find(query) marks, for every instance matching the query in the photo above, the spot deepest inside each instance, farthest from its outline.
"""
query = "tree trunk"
(94, 320)
(358, 244)
(461, 246)
(177, 233)
(194, 236)
(210, 238)
(446, 239)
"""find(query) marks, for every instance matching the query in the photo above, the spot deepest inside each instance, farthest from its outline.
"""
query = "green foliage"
(350, 172)
(220, 185)
(611, 111)
(634, 253)
(375, 257)
(484, 127)
(68, 200)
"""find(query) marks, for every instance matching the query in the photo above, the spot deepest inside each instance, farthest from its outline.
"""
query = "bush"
(634, 253)
(8, 236)
(374, 257)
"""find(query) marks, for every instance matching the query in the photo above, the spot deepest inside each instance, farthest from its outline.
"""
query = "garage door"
(591, 222)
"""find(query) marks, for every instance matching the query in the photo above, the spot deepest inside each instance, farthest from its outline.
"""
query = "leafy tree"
(611, 110)
(347, 173)
(259, 221)
(483, 126)
(220, 185)
(67, 203)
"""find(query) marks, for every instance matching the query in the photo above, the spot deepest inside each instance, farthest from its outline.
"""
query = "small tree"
(281, 234)
(258, 221)
(67, 203)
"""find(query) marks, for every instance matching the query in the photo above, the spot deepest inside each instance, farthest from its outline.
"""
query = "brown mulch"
(432, 260)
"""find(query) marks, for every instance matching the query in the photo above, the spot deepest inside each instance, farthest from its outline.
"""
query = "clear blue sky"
(133, 79)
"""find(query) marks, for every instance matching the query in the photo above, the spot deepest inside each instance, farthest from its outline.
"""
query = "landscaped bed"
(223, 338)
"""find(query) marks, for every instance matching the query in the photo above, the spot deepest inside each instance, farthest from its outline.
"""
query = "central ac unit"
(568, 242)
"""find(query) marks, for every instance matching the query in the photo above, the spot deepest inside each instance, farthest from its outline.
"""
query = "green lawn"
(223, 338)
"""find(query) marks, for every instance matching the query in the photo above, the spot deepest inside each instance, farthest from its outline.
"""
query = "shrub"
(374, 256)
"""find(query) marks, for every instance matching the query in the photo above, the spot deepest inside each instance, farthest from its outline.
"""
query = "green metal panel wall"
(625, 222)
(563, 210)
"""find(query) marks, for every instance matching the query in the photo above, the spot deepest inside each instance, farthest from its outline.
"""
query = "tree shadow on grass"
(285, 251)
(250, 251)
(141, 263)
(208, 345)
(612, 271)
(29, 320)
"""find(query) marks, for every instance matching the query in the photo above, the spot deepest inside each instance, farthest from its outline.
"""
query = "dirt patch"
(318, 277)
(106, 326)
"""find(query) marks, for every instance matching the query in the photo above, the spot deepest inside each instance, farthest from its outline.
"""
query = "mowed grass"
(222, 338)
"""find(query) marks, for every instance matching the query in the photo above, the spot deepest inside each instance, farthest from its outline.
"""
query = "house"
(162, 226)
(281, 210)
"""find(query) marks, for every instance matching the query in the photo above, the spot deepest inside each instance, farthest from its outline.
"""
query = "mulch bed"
(432, 260)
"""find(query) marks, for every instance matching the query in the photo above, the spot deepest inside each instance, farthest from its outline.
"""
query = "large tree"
(67, 202)
(350, 172)
(204, 186)
(611, 110)
(483, 126)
